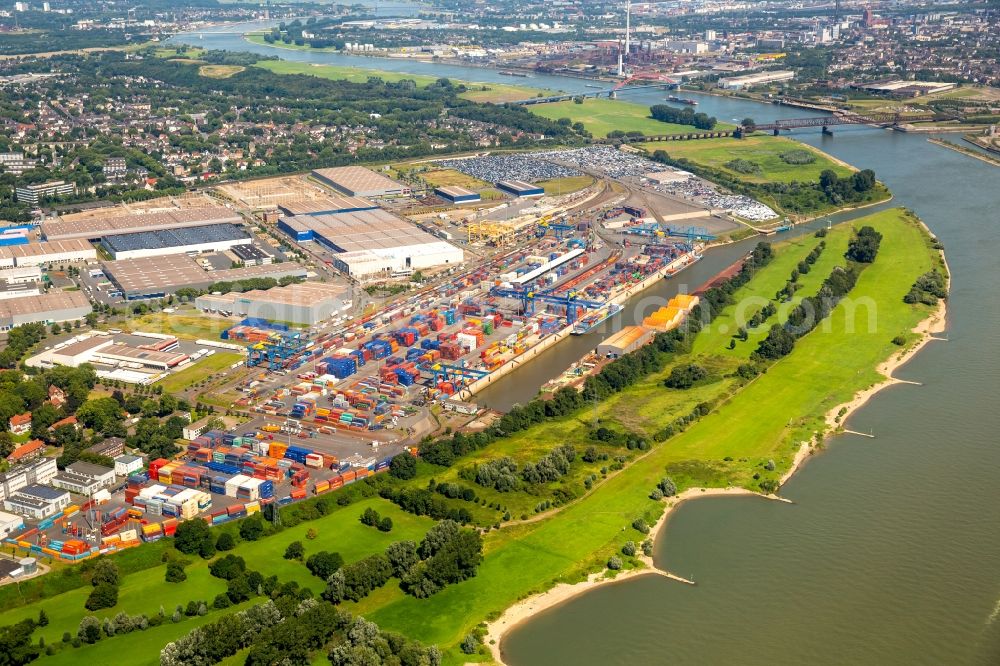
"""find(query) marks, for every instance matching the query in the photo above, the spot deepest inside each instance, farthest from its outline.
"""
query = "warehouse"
(22, 275)
(52, 252)
(325, 206)
(358, 181)
(155, 277)
(18, 289)
(37, 502)
(251, 255)
(306, 303)
(373, 243)
(49, 308)
(519, 188)
(78, 352)
(624, 342)
(95, 228)
(457, 195)
(187, 240)
(132, 356)
(749, 80)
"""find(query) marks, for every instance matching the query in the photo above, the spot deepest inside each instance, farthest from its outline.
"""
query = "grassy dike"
(765, 419)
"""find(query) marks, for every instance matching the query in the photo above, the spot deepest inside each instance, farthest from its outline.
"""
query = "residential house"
(20, 423)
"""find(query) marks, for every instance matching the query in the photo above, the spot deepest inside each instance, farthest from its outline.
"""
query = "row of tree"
(686, 116)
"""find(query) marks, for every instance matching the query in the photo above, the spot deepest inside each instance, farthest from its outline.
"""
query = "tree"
(43, 618)
(175, 572)
(102, 596)
(228, 567)
(749, 124)
(100, 414)
(295, 551)
(864, 246)
(89, 630)
(225, 542)
(324, 563)
(667, 486)
(191, 535)
(370, 517)
(252, 528)
(402, 555)
(470, 644)
(385, 525)
(403, 466)
(105, 572)
(16, 647)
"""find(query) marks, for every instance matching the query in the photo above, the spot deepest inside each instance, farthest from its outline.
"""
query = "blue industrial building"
(457, 195)
(519, 188)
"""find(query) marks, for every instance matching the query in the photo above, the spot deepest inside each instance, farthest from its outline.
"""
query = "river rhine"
(890, 554)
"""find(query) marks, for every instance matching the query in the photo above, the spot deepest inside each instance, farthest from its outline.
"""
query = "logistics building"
(116, 223)
(155, 277)
(40, 254)
(624, 341)
(251, 255)
(372, 244)
(749, 80)
(358, 181)
(186, 240)
(102, 349)
(52, 307)
(519, 188)
(37, 502)
(325, 206)
(457, 195)
(22, 275)
(306, 303)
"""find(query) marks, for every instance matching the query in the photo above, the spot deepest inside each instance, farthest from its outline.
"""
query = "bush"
(221, 601)
(798, 157)
(640, 525)
(743, 166)
(628, 550)
(615, 563)
(899, 341)
(225, 542)
(370, 517)
(295, 551)
(385, 525)
(685, 376)
(102, 596)
(89, 630)
(175, 572)
(667, 487)
(470, 644)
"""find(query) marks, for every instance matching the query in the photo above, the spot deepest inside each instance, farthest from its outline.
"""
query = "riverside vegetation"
(569, 481)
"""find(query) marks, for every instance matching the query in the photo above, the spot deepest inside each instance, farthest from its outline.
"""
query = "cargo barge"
(682, 100)
(595, 318)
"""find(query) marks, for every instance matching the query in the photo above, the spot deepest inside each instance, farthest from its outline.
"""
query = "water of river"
(890, 554)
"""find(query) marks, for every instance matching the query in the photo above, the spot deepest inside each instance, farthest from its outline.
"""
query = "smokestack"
(628, 27)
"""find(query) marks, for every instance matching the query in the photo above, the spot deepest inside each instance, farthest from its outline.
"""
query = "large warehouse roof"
(46, 248)
(167, 238)
(156, 275)
(325, 205)
(359, 181)
(19, 310)
(60, 229)
(362, 230)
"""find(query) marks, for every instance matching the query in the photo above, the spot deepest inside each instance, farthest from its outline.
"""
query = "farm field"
(776, 411)
(202, 369)
(765, 151)
(601, 116)
(220, 71)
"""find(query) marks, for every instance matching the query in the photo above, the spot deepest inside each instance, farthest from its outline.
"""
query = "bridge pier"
(827, 131)
(777, 132)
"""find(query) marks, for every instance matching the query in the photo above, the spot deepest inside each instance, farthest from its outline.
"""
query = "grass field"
(765, 419)
(764, 151)
(183, 379)
(558, 186)
(436, 177)
(478, 92)
(601, 116)
(220, 71)
(185, 324)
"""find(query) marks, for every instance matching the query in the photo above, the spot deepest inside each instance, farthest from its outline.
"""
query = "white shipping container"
(151, 491)
(234, 483)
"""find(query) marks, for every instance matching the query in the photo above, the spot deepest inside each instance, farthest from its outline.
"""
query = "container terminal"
(328, 390)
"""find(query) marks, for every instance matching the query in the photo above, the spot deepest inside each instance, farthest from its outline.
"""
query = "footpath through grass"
(601, 116)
